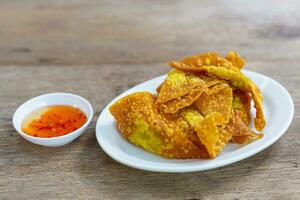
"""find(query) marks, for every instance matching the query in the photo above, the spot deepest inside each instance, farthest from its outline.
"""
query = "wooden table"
(99, 49)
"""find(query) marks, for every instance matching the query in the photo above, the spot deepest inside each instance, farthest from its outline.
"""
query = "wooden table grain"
(99, 49)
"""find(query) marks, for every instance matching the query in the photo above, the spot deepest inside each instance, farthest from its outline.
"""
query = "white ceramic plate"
(278, 108)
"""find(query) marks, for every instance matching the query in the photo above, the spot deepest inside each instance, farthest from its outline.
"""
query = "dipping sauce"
(53, 121)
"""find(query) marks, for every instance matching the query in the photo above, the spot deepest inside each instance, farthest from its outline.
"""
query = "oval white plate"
(278, 108)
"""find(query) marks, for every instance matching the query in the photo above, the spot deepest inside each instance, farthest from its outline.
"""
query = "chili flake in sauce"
(54, 121)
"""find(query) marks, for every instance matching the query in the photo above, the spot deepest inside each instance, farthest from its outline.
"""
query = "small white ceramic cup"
(49, 100)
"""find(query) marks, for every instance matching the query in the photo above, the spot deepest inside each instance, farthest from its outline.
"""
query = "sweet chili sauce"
(53, 121)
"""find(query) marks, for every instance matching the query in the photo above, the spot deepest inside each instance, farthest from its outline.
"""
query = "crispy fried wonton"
(213, 138)
(210, 58)
(219, 101)
(236, 79)
(177, 84)
(242, 102)
(138, 120)
(203, 104)
(241, 133)
(178, 91)
(235, 59)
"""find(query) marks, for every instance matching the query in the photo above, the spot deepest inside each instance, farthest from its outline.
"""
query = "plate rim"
(181, 169)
